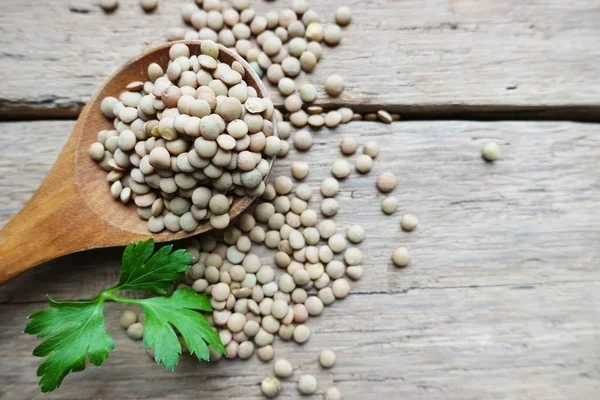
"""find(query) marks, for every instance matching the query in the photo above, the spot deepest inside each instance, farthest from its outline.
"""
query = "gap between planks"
(16, 112)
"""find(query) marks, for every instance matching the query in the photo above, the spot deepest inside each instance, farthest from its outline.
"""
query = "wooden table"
(502, 298)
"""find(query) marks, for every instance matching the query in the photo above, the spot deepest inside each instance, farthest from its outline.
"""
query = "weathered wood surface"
(502, 342)
(501, 300)
(413, 56)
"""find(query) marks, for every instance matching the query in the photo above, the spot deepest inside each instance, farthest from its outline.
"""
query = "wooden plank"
(504, 342)
(415, 56)
(529, 218)
(500, 301)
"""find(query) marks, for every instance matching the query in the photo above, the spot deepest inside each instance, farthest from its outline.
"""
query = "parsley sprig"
(76, 332)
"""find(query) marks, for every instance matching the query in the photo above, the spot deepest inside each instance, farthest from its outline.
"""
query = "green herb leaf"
(141, 270)
(77, 333)
(178, 311)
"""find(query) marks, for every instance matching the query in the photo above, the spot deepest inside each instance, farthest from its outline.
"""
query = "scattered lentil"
(308, 93)
(340, 288)
(329, 207)
(332, 393)
(330, 187)
(149, 5)
(340, 169)
(342, 16)
(490, 152)
(389, 205)
(307, 384)
(109, 5)
(348, 146)
(354, 272)
(128, 318)
(265, 353)
(283, 368)
(327, 358)
(300, 170)
(364, 163)
(334, 85)
(401, 257)
(302, 140)
(384, 116)
(270, 386)
(386, 182)
(408, 222)
(301, 334)
(136, 331)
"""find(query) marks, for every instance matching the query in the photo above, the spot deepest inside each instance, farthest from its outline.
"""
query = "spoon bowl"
(73, 209)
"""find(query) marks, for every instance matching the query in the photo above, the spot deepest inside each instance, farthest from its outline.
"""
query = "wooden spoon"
(73, 209)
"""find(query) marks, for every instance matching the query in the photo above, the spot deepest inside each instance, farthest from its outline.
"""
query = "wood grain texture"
(525, 219)
(501, 342)
(500, 301)
(414, 57)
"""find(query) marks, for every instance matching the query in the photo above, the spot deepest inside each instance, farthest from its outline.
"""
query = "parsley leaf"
(164, 313)
(77, 333)
(141, 270)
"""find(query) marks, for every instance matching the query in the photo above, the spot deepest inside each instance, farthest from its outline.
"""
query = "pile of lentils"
(278, 46)
(187, 141)
(314, 261)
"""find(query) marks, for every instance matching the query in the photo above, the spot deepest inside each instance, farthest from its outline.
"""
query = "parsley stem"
(109, 295)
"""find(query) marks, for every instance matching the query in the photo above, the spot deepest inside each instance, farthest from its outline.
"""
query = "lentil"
(342, 16)
(329, 207)
(300, 170)
(408, 222)
(109, 5)
(354, 272)
(270, 386)
(334, 85)
(327, 358)
(136, 331)
(265, 353)
(348, 146)
(326, 295)
(364, 163)
(332, 393)
(326, 228)
(301, 334)
(353, 256)
(386, 182)
(286, 86)
(316, 121)
(307, 384)
(330, 187)
(308, 93)
(340, 288)
(401, 257)
(128, 318)
(371, 148)
(384, 116)
(389, 205)
(490, 152)
(340, 169)
(314, 305)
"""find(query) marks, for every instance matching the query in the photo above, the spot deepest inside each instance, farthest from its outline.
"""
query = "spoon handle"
(53, 223)
(44, 229)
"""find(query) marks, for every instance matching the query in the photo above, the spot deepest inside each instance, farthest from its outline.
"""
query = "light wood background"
(501, 300)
